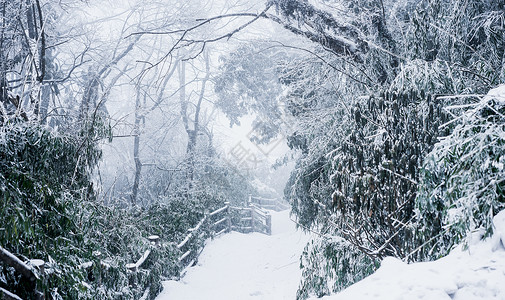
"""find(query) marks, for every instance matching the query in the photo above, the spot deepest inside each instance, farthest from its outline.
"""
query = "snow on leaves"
(463, 182)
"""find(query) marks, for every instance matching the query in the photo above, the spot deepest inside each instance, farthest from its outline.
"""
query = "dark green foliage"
(363, 191)
(364, 127)
(329, 266)
(48, 211)
(375, 171)
(121, 237)
(462, 183)
(308, 176)
(43, 178)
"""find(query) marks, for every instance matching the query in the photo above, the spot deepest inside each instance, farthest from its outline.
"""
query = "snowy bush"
(375, 169)
(44, 177)
(362, 190)
(463, 180)
(330, 265)
(121, 237)
(49, 211)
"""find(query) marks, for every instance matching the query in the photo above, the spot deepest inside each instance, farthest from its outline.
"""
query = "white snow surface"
(254, 266)
(240, 266)
(475, 273)
(497, 93)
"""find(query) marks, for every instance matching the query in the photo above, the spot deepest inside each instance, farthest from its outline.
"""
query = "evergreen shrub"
(463, 178)
(44, 176)
(49, 211)
(330, 265)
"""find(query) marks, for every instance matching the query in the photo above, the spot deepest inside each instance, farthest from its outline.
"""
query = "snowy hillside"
(475, 273)
(245, 266)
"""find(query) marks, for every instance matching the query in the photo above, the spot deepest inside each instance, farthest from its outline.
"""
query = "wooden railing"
(134, 267)
(28, 271)
(269, 203)
(252, 218)
(261, 220)
(225, 219)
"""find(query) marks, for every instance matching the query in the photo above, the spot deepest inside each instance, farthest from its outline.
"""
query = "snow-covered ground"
(240, 266)
(475, 273)
(254, 266)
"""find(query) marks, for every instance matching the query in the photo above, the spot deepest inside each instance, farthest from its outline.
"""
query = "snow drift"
(477, 272)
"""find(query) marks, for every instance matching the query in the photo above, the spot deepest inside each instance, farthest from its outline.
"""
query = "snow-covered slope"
(475, 273)
(240, 266)
(254, 266)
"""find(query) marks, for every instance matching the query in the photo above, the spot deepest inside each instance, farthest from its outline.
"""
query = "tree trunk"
(95, 78)
(195, 129)
(185, 119)
(136, 149)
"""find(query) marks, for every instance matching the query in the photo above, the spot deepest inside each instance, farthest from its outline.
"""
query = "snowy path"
(240, 266)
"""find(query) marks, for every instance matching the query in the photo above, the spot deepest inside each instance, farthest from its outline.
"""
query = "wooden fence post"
(97, 255)
(154, 239)
(251, 208)
(269, 223)
(132, 280)
(38, 264)
(228, 216)
(18, 265)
